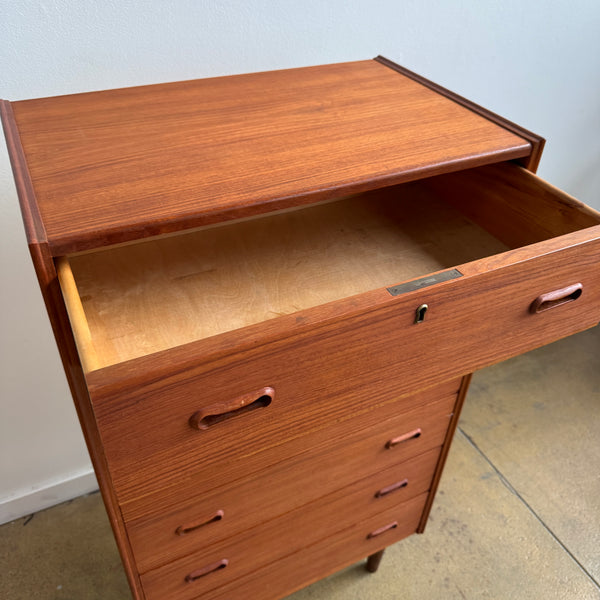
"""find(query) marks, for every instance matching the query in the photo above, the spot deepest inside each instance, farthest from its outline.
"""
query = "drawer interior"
(132, 300)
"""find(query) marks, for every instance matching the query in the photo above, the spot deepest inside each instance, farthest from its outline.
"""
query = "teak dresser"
(269, 292)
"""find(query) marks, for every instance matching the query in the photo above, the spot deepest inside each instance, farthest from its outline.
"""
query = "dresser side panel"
(34, 227)
(53, 300)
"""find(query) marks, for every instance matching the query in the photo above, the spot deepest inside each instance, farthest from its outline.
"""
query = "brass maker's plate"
(424, 282)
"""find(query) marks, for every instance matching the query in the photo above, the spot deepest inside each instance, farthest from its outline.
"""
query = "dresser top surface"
(114, 166)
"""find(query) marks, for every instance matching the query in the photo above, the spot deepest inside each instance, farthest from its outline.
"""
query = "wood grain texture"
(370, 422)
(159, 294)
(34, 226)
(287, 485)
(123, 164)
(354, 357)
(462, 394)
(238, 453)
(77, 316)
(351, 369)
(59, 320)
(340, 550)
(322, 320)
(514, 205)
(221, 279)
(325, 321)
(537, 142)
(266, 545)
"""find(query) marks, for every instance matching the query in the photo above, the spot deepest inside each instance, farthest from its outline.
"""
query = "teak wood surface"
(225, 278)
(294, 571)
(350, 368)
(154, 540)
(119, 165)
(45, 270)
(321, 442)
(569, 225)
(491, 301)
(221, 279)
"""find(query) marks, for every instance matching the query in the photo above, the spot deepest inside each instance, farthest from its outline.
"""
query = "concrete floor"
(517, 513)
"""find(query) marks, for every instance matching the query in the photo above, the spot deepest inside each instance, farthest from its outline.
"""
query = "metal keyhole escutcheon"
(420, 314)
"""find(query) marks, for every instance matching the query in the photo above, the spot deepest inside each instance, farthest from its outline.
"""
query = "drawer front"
(148, 456)
(311, 564)
(341, 370)
(264, 545)
(204, 519)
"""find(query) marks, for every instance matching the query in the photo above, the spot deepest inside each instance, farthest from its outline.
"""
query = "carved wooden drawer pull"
(411, 435)
(391, 488)
(216, 413)
(183, 529)
(383, 529)
(556, 298)
(207, 570)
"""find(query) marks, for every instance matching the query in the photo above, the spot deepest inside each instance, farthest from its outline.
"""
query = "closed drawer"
(156, 454)
(189, 522)
(310, 564)
(264, 545)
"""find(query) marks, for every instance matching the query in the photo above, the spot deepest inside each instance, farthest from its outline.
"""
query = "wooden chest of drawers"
(269, 292)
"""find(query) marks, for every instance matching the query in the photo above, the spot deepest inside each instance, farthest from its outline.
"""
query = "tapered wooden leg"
(373, 561)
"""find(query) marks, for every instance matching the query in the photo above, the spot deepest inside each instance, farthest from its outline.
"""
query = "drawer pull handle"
(189, 528)
(391, 488)
(411, 435)
(207, 570)
(556, 298)
(382, 530)
(216, 413)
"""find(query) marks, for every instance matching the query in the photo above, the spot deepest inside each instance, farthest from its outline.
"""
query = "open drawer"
(186, 325)
(487, 250)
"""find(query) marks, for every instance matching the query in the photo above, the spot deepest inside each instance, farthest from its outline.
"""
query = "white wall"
(537, 63)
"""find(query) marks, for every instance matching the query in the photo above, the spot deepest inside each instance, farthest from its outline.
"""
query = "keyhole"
(420, 316)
